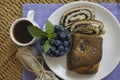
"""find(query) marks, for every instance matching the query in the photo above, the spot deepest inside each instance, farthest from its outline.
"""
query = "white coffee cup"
(29, 18)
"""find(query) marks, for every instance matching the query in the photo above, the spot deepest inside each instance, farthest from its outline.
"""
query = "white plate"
(111, 44)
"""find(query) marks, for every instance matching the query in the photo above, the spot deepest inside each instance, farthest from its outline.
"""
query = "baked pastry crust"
(86, 53)
(87, 69)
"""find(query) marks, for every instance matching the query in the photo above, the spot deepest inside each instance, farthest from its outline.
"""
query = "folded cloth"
(43, 11)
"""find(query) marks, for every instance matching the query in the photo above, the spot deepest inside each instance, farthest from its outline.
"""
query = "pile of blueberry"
(61, 43)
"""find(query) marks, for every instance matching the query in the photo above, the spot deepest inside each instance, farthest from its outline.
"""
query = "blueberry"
(62, 35)
(60, 48)
(58, 32)
(52, 41)
(53, 48)
(57, 42)
(69, 36)
(69, 40)
(62, 29)
(57, 52)
(57, 28)
(65, 31)
(66, 49)
(62, 53)
(65, 43)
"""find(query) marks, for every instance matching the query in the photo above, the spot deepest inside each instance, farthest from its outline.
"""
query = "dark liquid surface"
(21, 33)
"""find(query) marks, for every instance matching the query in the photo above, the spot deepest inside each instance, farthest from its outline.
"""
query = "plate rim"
(91, 3)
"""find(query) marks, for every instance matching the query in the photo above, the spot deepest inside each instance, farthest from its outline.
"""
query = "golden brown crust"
(87, 69)
(86, 60)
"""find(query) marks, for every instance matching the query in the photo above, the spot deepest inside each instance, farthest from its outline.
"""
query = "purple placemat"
(43, 11)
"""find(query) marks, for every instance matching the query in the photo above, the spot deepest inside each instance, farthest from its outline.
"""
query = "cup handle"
(30, 15)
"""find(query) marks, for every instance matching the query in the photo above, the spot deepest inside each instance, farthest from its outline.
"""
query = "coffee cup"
(19, 32)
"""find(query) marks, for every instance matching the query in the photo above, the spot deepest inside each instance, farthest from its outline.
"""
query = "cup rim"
(12, 28)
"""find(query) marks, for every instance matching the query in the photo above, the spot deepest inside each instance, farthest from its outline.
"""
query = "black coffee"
(21, 33)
